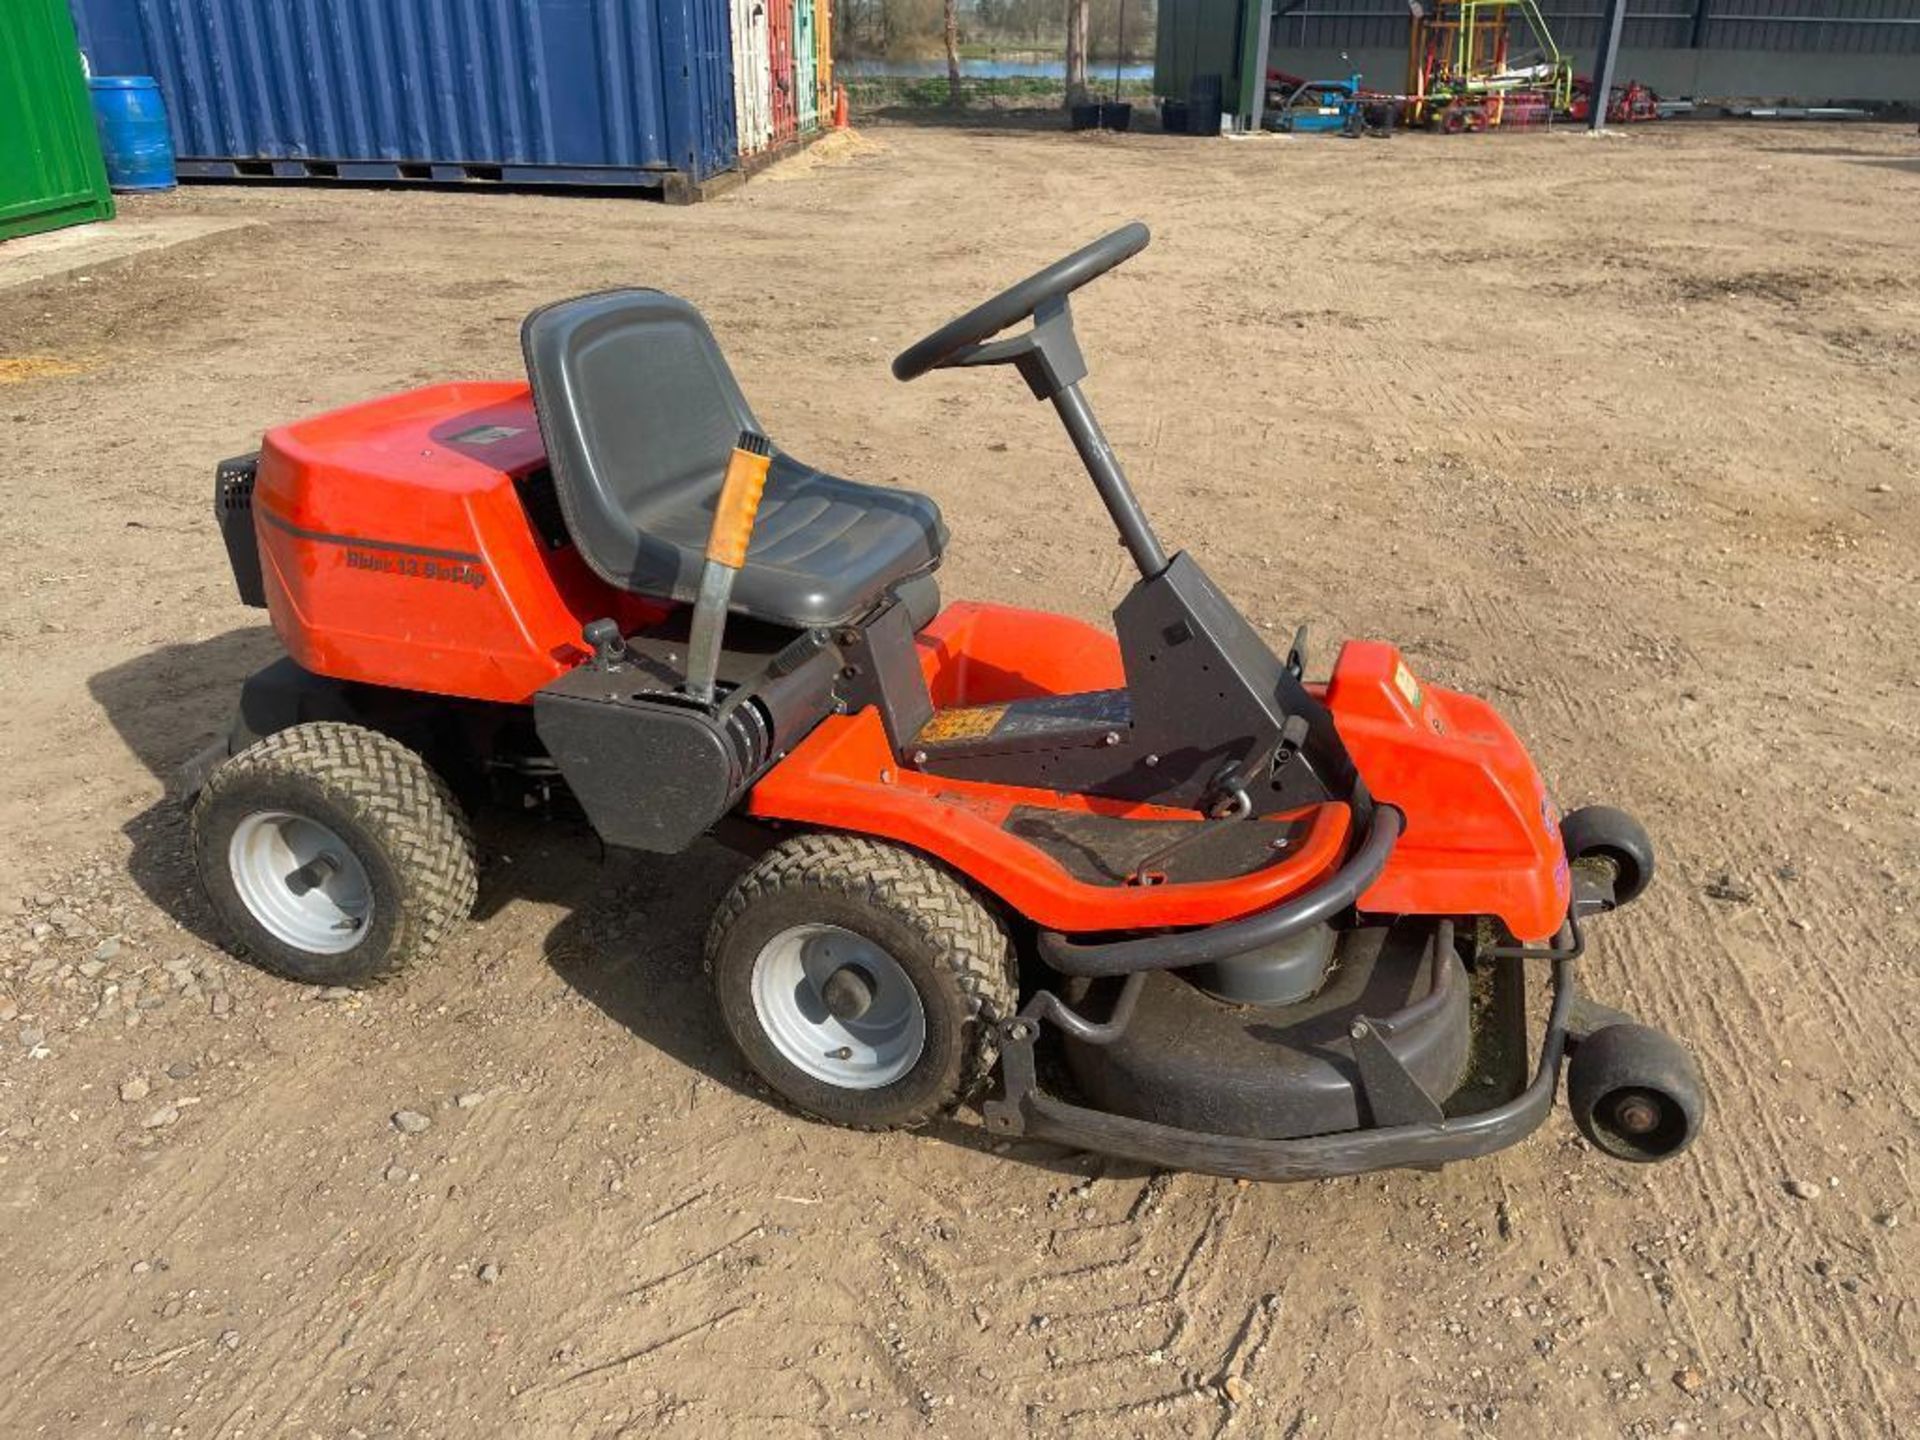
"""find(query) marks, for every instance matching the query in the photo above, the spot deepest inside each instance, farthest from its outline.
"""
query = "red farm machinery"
(1480, 64)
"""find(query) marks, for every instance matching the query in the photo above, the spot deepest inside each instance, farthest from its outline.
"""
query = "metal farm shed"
(1811, 51)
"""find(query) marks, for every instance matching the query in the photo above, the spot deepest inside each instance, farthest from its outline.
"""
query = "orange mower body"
(1267, 925)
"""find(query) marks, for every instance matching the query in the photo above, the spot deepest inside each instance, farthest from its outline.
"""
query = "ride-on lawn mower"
(1178, 903)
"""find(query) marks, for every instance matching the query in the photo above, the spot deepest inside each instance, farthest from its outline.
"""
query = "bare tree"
(1077, 33)
(1121, 28)
(954, 97)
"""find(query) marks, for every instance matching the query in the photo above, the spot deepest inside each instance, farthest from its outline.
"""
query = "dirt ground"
(1622, 433)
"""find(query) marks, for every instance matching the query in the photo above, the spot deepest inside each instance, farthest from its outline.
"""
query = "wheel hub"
(848, 993)
(299, 879)
(1636, 1114)
(838, 1007)
(313, 873)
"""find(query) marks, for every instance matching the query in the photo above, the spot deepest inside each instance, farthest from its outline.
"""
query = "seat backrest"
(639, 413)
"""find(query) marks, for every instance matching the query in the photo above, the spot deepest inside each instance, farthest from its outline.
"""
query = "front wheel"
(1636, 1093)
(333, 855)
(862, 982)
(1602, 835)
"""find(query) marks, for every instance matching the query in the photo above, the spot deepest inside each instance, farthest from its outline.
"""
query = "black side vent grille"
(233, 483)
(233, 512)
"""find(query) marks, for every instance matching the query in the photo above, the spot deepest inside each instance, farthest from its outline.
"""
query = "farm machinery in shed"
(1472, 66)
(1478, 64)
(1297, 106)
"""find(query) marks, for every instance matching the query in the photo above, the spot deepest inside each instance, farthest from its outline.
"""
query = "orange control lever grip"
(739, 500)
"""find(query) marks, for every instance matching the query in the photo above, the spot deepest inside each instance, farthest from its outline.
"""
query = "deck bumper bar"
(1026, 1110)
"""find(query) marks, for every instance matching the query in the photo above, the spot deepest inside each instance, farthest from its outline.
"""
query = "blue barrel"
(134, 138)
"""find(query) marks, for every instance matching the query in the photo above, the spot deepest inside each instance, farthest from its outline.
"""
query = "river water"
(987, 69)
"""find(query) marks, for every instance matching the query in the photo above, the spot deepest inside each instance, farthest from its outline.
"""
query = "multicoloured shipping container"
(806, 59)
(752, 77)
(782, 70)
(780, 62)
(657, 94)
(823, 64)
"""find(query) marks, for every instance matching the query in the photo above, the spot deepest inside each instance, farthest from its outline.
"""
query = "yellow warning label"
(971, 723)
(1404, 682)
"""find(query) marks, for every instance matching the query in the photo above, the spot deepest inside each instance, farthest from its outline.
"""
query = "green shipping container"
(50, 168)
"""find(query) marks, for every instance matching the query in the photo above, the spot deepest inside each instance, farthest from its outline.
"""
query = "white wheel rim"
(301, 882)
(863, 1053)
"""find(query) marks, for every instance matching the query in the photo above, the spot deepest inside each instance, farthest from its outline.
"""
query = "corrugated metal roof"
(1810, 26)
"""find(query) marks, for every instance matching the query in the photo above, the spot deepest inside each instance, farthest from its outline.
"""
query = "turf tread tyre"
(427, 859)
(959, 932)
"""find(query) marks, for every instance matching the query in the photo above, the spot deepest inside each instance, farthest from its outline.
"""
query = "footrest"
(1107, 849)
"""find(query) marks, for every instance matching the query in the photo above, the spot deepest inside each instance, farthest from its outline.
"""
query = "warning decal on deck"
(972, 723)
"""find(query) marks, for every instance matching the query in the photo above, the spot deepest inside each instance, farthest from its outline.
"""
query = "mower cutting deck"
(1267, 927)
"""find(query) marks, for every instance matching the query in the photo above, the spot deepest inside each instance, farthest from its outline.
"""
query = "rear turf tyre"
(860, 981)
(333, 855)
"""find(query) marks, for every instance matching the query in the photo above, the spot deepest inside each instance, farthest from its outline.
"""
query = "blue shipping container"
(581, 92)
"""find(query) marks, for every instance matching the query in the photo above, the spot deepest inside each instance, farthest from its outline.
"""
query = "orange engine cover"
(397, 547)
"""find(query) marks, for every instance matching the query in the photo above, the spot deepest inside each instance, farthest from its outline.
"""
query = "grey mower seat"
(640, 412)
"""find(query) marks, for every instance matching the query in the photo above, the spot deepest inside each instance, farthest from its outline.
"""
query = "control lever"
(603, 637)
(1296, 661)
(733, 517)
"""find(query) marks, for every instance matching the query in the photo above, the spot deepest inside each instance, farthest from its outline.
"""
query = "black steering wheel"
(953, 342)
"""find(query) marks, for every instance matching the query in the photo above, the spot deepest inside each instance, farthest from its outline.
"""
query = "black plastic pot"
(1204, 105)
